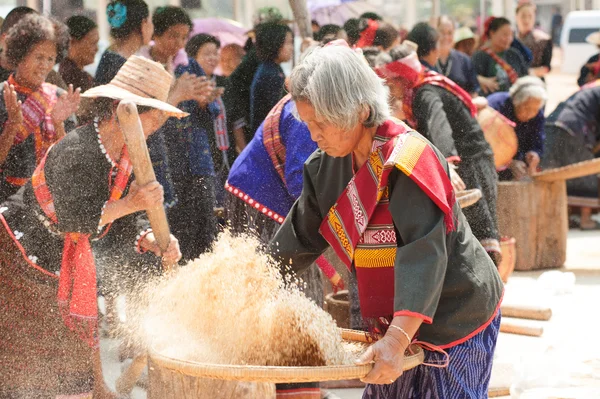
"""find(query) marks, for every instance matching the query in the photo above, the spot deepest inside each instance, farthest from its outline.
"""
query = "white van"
(575, 50)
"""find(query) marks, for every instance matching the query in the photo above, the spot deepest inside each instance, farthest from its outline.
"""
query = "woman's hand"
(191, 87)
(13, 105)
(388, 355)
(67, 105)
(539, 72)
(141, 198)
(457, 182)
(532, 159)
(488, 85)
(171, 256)
(480, 102)
(518, 169)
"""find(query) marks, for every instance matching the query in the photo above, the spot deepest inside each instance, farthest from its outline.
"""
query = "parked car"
(576, 51)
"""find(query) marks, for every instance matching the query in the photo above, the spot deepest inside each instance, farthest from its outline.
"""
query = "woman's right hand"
(518, 169)
(141, 198)
(13, 105)
(190, 87)
(488, 85)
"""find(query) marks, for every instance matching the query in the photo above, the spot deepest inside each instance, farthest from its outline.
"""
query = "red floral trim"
(299, 393)
(254, 204)
(23, 252)
(426, 319)
(138, 241)
(478, 330)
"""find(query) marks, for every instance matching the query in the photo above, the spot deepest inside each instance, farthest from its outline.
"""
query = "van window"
(578, 35)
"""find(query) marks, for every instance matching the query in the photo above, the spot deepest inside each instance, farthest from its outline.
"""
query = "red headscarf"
(367, 36)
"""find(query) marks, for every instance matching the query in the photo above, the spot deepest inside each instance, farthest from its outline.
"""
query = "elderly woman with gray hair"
(524, 105)
(380, 195)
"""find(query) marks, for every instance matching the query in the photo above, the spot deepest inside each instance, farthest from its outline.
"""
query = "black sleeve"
(298, 242)
(421, 257)
(432, 121)
(547, 55)
(585, 71)
(79, 189)
(481, 63)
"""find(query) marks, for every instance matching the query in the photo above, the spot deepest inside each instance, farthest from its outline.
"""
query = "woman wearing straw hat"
(380, 195)
(445, 114)
(33, 113)
(81, 191)
(590, 71)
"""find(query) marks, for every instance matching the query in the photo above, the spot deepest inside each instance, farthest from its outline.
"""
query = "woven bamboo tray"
(468, 197)
(573, 171)
(272, 374)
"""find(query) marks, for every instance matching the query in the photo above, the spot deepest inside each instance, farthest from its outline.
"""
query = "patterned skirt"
(466, 377)
(480, 172)
(39, 356)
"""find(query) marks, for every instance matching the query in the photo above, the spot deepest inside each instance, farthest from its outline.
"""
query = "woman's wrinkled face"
(332, 140)
(33, 70)
(172, 40)
(528, 109)
(152, 120)
(446, 31)
(502, 38)
(526, 19)
(88, 46)
(287, 50)
(208, 57)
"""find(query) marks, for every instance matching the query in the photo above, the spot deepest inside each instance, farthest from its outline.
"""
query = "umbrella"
(226, 30)
(339, 14)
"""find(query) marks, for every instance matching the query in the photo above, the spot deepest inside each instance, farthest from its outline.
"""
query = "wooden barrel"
(500, 134)
(535, 214)
(338, 306)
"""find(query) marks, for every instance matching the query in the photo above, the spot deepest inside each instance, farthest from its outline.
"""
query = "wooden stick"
(520, 327)
(131, 126)
(526, 312)
(498, 392)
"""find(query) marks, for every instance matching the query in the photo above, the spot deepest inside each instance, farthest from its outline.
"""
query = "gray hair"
(339, 83)
(528, 87)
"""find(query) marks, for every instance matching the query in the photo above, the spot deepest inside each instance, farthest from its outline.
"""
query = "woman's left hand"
(170, 256)
(67, 105)
(388, 355)
(480, 102)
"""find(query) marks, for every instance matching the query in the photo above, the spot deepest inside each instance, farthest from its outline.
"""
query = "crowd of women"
(330, 165)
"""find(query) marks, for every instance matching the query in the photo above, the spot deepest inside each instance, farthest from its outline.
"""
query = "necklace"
(102, 148)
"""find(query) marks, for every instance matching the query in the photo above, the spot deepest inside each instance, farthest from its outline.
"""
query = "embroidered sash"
(512, 74)
(272, 138)
(36, 110)
(359, 227)
(221, 137)
(436, 79)
(77, 282)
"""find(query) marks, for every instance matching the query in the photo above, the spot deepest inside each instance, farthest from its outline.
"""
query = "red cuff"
(138, 241)
(453, 159)
(426, 319)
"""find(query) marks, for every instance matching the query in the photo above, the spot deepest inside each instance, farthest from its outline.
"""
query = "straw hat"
(142, 81)
(464, 33)
(593, 38)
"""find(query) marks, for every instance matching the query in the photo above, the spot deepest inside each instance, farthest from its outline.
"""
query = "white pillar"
(581, 4)
(436, 9)
(175, 3)
(411, 14)
(497, 8)
(33, 4)
(47, 7)
(102, 20)
(595, 4)
(509, 10)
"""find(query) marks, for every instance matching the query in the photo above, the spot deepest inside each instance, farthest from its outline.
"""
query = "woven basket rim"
(276, 374)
